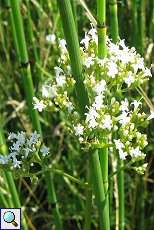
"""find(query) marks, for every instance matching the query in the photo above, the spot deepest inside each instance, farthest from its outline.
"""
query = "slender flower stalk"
(29, 91)
(88, 206)
(82, 103)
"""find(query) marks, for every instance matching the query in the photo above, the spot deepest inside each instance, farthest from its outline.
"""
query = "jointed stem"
(28, 85)
(101, 27)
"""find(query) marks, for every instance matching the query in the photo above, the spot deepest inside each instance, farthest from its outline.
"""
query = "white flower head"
(136, 104)
(112, 69)
(123, 118)
(88, 62)
(151, 115)
(100, 87)
(62, 45)
(122, 154)
(107, 122)
(119, 145)
(39, 105)
(79, 129)
(51, 38)
(61, 80)
(98, 103)
(124, 105)
(85, 41)
(44, 150)
(129, 78)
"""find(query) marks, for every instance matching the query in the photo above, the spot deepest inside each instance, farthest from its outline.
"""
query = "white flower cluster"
(111, 110)
(23, 150)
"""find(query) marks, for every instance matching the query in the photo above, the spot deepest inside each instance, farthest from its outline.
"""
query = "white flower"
(112, 69)
(151, 115)
(58, 70)
(92, 114)
(15, 146)
(119, 145)
(93, 33)
(92, 123)
(123, 118)
(39, 105)
(78, 130)
(98, 104)
(34, 138)
(124, 105)
(45, 91)
(51, 38)
(136, 104)
(44, 150)
(107, 122)
(147, 72)
(136, 152)
(61, 80)
(140, 63)
(4, 159)
(12, 136)
(122, 154)
(129, 79)
(62, 45)
(27, 151)
(85, 41)
(122, 44)
(16, 163)
(100, 87)
(49, 91)
(69, 106)
(88, 62)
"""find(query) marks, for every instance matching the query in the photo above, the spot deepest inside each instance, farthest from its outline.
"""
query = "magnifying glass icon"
(9, 217)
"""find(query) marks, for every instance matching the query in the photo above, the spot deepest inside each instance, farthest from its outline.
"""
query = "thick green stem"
(82, 101)
(28, 83)
(103, 156)
(114, 30)
(101, 27)
(24, 62)
(99, 191)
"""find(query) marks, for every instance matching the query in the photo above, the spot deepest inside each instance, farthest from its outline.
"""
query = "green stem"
(114, 30)
(103, 156)
(53, 201)
(101, 27)
(99, 191)
(88, 206)
(121, 196)
(27, 80)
